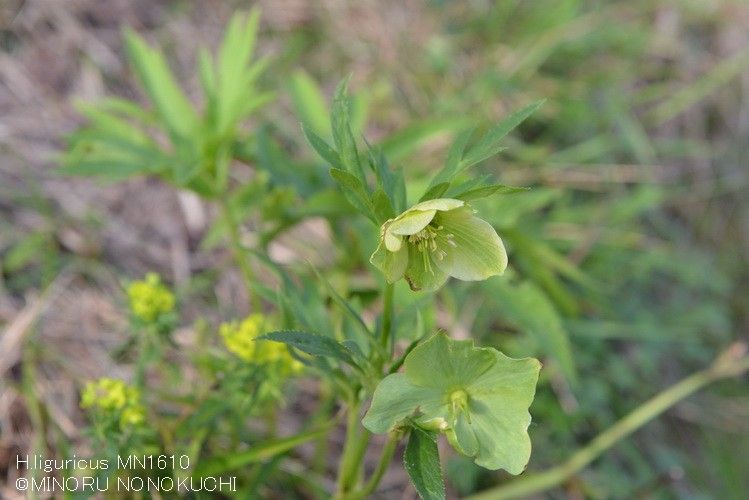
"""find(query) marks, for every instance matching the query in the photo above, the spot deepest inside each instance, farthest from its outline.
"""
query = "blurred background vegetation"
(631, 248)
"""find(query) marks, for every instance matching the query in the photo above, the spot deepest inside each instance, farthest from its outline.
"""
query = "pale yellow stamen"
(426, 241)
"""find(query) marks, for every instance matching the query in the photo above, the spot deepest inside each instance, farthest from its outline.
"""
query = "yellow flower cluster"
(114, 397)
(149, 298)
(239, 338)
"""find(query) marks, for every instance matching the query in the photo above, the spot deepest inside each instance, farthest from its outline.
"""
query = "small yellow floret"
(149, 298)
(239, 338)
(114, 396)
(132, 416)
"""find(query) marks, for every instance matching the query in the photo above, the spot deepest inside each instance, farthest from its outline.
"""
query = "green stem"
(387, 316)
(143, 355)
(729, 365)
(239, 256)
(382, 465)
(357, 439)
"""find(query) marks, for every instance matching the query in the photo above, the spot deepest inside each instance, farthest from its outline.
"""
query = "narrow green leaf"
(113, 170)
(379, 165)
(232, 66)
(722, 72)
(343, 303)
(309, 103)
(93, 143)
(106, 122)
(125, 108)
(403, 142)
(207, 74)
(313, 344)
(383, 209)
(453, 159)
(435, 191)
(399, 192)
(342, 136)
(259, 452)
(488, 146)
(422, 461)
(467, 185)
(354, 192)
(160, 85)
(530, 309)
(484, 191)
(255, 101)
(322, 148)
(30, 248)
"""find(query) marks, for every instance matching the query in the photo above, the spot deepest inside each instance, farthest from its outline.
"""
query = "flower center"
(426, 240)
(459, 402)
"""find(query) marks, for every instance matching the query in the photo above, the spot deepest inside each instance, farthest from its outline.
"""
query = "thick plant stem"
(382, 465)
(387, 317)
(728, 365)
(239, 256)
(357, 439)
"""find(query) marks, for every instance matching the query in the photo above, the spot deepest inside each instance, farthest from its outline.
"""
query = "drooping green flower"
(478, 397)
(436, 239)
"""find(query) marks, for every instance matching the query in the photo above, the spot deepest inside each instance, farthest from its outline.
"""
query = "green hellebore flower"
(436, 239)
(477, 396)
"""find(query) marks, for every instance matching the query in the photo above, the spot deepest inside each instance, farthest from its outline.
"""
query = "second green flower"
(436, 239)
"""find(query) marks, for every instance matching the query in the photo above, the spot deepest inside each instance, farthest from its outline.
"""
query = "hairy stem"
(239, 255)
(727, 365)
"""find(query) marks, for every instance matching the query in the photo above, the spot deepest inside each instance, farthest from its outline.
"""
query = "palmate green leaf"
(422, 462)
(478, 397)
(314, 344)
(152, 70)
